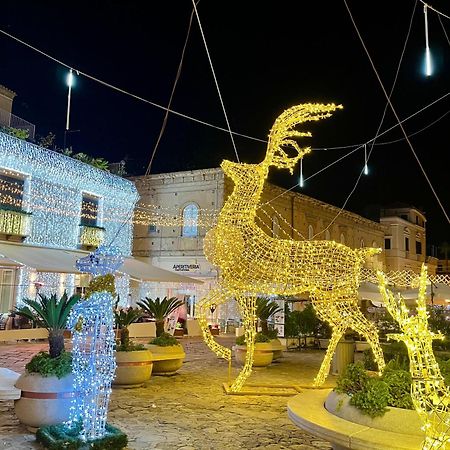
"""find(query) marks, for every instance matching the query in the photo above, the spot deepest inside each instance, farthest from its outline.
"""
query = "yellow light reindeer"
(251, 263)
(429, 392)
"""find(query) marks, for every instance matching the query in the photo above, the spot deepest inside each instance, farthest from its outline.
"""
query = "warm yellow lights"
(429, 392)
(91, 236)
(14, 222)
(251, 263)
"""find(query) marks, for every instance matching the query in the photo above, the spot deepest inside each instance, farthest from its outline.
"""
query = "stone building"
(183, 206)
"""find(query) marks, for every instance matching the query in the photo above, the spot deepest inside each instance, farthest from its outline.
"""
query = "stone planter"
(262, 357)
(395, 420)
(133, 368)
(323, 343)
(277, 348)
(328, 415)
(361, 346)
(44, 400)
(166, 360)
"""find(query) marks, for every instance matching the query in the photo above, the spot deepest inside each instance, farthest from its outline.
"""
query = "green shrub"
(130, 347)
(165, 340)
(272, 333)
(46, 366)
(399, 386)
(368, 360)
(63, 437)
(373, 399)
(396, 351)
(444, 366)
(259, 338)
(352, 380)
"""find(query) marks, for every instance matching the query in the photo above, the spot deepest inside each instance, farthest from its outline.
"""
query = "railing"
(10, 120)
(14, 223)
(91, 236)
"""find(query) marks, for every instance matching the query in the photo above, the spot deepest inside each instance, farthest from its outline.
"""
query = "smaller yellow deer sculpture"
(429, 392)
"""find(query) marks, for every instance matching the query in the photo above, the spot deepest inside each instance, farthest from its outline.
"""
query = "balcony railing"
(14, 223)
(10, 120)
(91, 236)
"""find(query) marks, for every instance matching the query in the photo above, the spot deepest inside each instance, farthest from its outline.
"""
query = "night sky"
(268, 56)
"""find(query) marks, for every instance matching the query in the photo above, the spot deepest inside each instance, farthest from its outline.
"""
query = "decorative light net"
(251, 263)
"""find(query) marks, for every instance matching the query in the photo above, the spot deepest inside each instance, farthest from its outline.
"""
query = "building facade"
(405, 238)
(52, 208)
(177, 209)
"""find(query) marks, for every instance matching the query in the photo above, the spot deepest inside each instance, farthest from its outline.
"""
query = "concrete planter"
(323, 343)
(166, 360)
(394, 420)
(44, 400)
(277, 348)
(262, 357)
(327, 415)
(133, 368)
(361, 346)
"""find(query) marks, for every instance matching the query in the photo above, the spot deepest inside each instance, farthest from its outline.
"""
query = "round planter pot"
(361, 346)
(133, 368)
(262, 356)
(277, 348)
(44, 400)
(166, 360)
(396, 420)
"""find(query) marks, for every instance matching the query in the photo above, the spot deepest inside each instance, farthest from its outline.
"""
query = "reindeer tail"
(366, 252)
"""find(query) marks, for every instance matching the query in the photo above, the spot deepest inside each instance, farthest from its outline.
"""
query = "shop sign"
(186, 267)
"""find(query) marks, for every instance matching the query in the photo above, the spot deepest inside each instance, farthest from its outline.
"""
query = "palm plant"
(160, 310)
(124, 318)
(264, 309)
(52, 314)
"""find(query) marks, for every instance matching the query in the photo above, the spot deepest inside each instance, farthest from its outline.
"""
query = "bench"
(23, 333)
(8, 379)
(307, 411)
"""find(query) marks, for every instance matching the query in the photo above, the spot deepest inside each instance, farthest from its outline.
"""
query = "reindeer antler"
(283, 131)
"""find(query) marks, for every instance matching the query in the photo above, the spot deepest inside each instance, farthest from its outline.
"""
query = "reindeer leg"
(248, 310)
(358, 322)
(217, 297)
(324, 370)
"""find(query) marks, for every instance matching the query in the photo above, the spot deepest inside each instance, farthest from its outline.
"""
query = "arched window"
(310, 232)
(327, 235)
(342, 238)
(190, 218)
(275, 227)
(374, 244)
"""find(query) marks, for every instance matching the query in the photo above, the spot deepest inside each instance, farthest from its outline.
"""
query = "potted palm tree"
(168, 354)
(265, 308)
(134, 361)
(47, 384)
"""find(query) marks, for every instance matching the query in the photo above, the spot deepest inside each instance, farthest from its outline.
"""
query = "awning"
(42, 259)
(143, 271)
(370, 291)
(57, 260)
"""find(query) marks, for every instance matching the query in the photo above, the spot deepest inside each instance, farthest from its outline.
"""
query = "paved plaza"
(190, 411)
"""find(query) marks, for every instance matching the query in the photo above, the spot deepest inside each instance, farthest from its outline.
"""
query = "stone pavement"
(189, 411)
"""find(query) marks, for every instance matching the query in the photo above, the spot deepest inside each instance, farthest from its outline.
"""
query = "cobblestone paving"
(190, 411)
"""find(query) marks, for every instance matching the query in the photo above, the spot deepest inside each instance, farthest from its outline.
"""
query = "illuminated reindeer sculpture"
(251, 263)
(429, 393)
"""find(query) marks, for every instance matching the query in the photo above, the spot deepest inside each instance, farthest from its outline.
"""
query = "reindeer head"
(283, 133)
(414, 328)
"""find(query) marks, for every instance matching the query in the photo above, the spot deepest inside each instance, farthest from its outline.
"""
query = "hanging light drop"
(428, 64)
